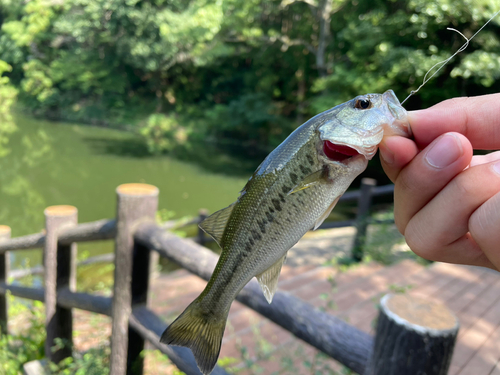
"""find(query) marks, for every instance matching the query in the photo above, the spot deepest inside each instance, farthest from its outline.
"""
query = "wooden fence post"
(414, 336)
(59, 265)
(4, 275)
(203, 214)
(137, 203)
(364, 203)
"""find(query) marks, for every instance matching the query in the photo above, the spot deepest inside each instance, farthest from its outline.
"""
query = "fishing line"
(444, 62)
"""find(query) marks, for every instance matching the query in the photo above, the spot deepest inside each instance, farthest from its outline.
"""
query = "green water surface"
(55, 163)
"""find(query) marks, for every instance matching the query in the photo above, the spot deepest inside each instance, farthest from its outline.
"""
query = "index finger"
(477, 118)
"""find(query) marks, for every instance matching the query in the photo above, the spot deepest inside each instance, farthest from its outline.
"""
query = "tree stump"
(414, 336)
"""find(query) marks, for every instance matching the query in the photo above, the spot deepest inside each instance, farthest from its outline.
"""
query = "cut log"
(414, 336)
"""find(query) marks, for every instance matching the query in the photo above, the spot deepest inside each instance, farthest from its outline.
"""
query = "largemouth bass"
(293, 190)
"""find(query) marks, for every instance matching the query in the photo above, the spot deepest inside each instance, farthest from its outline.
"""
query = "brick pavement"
(472, 293)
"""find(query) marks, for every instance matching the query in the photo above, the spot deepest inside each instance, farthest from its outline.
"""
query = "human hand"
(447, 201)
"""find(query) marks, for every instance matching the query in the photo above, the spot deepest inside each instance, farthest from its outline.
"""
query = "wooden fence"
(363, 197)
(137, 239)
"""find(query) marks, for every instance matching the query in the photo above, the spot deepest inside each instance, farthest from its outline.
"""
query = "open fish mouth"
(338, 152)
(345, 140)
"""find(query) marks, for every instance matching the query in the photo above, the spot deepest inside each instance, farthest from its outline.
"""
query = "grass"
(17, 349)
(383, 244)
(90, 353)
(26, 343)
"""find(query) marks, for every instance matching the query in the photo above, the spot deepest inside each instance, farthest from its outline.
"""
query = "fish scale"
(291, 192)
(268, 245)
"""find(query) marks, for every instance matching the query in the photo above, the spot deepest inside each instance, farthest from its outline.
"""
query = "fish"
(292, 191)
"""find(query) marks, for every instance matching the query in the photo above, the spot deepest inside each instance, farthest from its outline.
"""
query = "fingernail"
(386, 154)
(444, 152)
(496, 167)
(414, 114)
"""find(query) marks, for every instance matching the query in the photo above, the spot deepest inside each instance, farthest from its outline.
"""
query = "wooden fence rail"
(137, 238)
(363, 197)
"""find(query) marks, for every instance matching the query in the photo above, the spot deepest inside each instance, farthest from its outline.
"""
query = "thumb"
(395, 153)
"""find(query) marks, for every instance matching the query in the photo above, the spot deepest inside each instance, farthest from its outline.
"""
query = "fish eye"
(362, 104)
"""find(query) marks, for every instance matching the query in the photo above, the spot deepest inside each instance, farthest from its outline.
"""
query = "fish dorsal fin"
(313, 179)
(268, 279)
(325, 214)
(215, 224)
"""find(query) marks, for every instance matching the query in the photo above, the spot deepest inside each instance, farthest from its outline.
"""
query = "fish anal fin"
(313, 179)
(325, 214)
(268, 279)
(215, 224)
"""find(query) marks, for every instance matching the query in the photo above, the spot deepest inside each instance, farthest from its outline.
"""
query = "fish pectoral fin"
(268, 279)
(215, 224)
(313, 179)
(325, 214)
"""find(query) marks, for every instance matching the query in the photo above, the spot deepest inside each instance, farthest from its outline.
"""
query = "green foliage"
(400, 289)
(95, 361)
(229, 364)
(480, 66)
(382, 239)
(164, 215)
(159, 362)
(36, 19)
(15, 350)
(240, 74)
(162, 133)
(7, 97)
(18, 349)
(250, 121)
(393, 46)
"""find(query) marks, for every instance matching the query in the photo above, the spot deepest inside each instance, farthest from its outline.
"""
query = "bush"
(16, 350)
(162, 133)
(249, 123)
(93, 362)
(8, 95)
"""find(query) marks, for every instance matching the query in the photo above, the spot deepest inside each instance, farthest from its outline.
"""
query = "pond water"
(56, 163)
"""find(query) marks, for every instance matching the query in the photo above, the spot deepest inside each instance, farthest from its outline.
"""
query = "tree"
(7, 96)
(321, 11)
(247, 70)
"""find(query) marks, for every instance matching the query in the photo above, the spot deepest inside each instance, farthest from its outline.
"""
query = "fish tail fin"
(200, 332)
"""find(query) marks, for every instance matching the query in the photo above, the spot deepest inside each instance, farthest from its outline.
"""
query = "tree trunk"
(324, 15)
